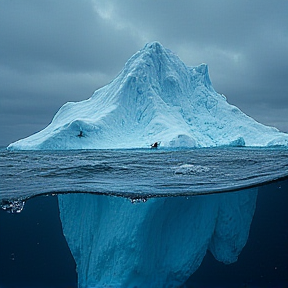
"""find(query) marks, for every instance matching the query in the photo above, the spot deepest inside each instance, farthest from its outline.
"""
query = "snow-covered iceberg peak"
(156, 97)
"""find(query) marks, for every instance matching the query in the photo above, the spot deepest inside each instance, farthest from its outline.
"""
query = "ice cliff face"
(156, 97)
(156, 244)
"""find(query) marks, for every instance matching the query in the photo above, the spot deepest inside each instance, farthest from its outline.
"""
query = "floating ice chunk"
(190, 169)
(15, 206)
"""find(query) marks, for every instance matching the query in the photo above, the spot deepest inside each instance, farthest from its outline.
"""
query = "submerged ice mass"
(159, 243)
(156, 97)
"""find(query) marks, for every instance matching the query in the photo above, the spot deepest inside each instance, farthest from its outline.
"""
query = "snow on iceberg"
(159, 243)
(156, 97)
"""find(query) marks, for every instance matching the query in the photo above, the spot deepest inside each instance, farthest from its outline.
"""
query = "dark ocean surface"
(140, 173)
(34, 252)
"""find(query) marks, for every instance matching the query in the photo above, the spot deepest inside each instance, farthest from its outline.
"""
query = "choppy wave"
(138, 174)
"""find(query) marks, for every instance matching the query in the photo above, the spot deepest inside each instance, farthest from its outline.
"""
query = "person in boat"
(155, 145)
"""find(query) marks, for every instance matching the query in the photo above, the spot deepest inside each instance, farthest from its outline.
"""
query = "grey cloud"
(52, 52)
(63, 35)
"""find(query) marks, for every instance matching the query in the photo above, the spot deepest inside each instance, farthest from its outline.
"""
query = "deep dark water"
(33, 250)
(34, 253)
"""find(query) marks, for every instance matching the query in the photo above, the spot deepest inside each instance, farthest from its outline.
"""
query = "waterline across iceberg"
(140, 173)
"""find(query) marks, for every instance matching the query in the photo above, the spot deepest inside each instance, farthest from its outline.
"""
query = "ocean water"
(33, 249)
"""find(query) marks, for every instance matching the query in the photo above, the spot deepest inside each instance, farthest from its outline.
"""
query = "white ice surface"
(156, 244)
(156, 97)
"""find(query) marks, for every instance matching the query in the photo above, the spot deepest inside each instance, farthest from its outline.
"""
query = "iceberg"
(156, 244)
(155, 98)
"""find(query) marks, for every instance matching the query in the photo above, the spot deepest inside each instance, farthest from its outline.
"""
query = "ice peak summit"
(155, 98)
(154, 46)
(156, 49)
(161, 67)
(152, 53)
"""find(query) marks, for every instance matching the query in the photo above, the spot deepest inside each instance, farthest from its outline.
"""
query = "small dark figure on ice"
(80, 134)
(155, 145)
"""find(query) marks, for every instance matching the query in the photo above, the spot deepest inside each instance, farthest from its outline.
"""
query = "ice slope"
(156, 97)
(156, 244)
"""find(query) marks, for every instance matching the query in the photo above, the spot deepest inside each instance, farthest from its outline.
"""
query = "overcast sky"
(52, 52)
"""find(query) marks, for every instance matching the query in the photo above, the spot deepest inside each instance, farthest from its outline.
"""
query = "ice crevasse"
(159, 243)
(155, 97)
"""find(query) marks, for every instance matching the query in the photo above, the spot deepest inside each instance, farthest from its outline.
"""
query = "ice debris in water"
(187, 169)
(15, 206)
(138, 200)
